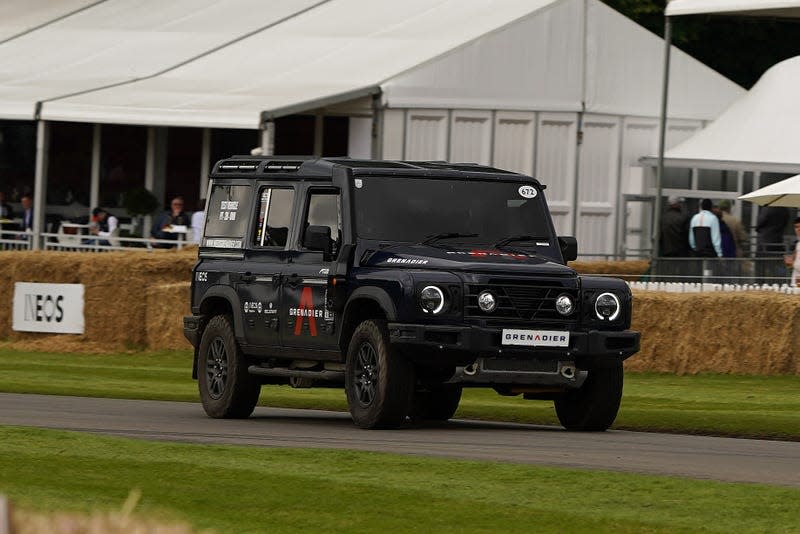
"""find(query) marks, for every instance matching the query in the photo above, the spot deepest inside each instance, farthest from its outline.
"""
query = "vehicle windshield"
(448, 211)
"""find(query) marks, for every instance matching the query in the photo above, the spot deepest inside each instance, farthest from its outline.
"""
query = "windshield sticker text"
(527, 191)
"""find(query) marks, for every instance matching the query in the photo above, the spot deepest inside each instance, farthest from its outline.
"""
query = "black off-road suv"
(403, 282)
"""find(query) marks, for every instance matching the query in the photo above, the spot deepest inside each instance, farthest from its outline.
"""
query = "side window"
(228, 208)
(325, 209)
(274, 217)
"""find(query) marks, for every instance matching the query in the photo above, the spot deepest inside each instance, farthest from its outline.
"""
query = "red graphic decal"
(483, 253)
(306, 303)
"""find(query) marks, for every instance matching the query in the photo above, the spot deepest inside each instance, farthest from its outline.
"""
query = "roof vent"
(282, 166)
(238, 166)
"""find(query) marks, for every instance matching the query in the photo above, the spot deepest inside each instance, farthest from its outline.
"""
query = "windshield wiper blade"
(513, 238)
(445, 235)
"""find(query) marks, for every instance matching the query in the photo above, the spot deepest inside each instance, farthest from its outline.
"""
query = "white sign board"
(52, 308)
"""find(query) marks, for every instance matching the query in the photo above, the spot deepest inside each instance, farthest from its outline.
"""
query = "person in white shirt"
(198, 221)
(793, 259)
(106, 225)
(705, 238)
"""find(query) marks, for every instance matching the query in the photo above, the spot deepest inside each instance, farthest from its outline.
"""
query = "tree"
(739, 48)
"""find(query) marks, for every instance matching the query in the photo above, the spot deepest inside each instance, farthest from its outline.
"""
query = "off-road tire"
(227, 390)
(378, 381)
(439, 404)
(594, 406)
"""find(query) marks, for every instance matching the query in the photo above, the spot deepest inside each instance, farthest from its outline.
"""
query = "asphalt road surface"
(726, 459)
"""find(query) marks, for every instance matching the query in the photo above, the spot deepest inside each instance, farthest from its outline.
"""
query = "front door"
(309, 323)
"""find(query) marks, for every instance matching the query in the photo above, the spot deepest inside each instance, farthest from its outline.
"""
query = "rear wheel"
(594, 406)
(378, 381)
(439, 404)
(227, 390)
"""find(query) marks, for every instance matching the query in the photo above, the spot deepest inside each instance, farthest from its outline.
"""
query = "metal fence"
(762, 270)
(14, 240)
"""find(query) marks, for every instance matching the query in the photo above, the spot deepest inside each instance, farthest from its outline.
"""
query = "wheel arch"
(365, 303)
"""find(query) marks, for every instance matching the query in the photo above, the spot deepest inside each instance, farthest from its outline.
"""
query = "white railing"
(704, 287)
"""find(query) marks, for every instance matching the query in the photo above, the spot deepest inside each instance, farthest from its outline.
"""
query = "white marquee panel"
(514, 141)
(471, 137)
(426, 135)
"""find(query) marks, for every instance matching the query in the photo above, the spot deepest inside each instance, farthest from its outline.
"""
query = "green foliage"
(740, 48)
(140, 201)
(252, 489)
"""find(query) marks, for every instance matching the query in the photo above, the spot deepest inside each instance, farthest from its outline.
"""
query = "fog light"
(487, 301)
(606, 306)
(564, 305)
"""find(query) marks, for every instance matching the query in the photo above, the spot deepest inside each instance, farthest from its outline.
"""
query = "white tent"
(217, 65)
(18, 17)
(764, 8)
(117, 41)
(564, 89)
(759, 132)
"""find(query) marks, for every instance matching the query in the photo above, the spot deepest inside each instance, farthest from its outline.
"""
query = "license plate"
(536, 338)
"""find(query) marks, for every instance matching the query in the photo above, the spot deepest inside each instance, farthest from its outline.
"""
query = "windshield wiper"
(445, 235)
(513, 238)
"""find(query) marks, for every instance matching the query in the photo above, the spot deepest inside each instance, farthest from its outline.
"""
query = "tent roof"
(759, 131)
(20, 16)
(117, 41)
(765, 8)
(216, 64)
(616, 71)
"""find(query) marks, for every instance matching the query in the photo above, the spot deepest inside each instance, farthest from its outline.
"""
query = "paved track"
(741, 460)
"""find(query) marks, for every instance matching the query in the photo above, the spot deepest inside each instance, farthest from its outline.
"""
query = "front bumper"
(586, 348)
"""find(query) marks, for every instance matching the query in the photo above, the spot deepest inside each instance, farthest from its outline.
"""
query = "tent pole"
(40, 182)
(94, 188)
(662, 130)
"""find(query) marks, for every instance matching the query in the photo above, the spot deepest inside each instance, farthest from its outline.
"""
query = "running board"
(326, 374)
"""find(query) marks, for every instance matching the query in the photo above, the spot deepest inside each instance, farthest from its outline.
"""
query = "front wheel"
(379, 382)
(438, 404)
(227, 390)
(594, 406)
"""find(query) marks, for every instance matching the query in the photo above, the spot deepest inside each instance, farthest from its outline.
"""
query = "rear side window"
(274, 217)
(228, 208)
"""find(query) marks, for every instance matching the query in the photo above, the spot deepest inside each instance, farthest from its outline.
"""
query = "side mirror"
(569, 248)
(318, 238)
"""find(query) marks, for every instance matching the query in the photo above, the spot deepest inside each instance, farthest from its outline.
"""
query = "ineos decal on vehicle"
(201, 276)
(528, 191)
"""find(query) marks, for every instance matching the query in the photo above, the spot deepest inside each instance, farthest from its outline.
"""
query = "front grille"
(527, 365)
(523, 301)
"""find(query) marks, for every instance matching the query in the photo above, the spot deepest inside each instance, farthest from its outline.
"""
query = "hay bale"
(115, 285)
(753, 333)
(166, 306)
(627, 270)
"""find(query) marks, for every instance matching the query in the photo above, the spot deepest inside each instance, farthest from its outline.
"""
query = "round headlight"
(487, 301)
(606, 306)
(431, 299)
(564, 304)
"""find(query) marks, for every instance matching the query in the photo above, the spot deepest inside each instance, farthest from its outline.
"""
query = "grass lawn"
(249, 489)
(747, 406)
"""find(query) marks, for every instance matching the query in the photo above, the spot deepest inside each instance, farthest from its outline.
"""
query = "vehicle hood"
(463, 259)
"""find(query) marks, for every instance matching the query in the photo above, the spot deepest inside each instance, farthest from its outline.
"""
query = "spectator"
(726, 236)
(5, 209)
(198, 221)
(675, 230)
(793, 259)
(704, 236)
(772, 223)
(106, 227)
(27, 212)
(736, 227)
(175, 216)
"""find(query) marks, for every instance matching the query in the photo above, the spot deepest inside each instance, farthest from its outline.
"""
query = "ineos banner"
(53, 308)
